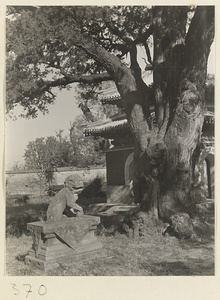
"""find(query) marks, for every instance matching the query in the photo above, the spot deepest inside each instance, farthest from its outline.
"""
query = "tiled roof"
(110, 95)
(114, 99)
(96, 129)
(107, 126)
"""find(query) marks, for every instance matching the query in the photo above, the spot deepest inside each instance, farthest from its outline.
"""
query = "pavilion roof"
(110, 95)
(109, 126)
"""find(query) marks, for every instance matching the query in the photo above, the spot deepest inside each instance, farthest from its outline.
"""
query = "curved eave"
(106, 129)
(111, 127)
(114, 100)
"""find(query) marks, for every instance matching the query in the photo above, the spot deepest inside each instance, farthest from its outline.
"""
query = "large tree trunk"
(184, 130)
(165, 148)
(165, 144)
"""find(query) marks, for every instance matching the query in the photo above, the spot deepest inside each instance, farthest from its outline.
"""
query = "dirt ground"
(123, 256)
(150, 255)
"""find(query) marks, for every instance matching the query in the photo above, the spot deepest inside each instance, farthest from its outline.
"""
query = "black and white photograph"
(110, 141)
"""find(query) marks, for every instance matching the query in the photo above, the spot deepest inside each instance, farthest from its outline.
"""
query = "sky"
(21, 131)
(64, 111)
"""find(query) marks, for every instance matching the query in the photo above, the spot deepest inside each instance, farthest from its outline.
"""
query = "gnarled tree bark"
(165, 145)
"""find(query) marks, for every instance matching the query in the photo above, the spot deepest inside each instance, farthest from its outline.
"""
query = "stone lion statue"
(66, 200)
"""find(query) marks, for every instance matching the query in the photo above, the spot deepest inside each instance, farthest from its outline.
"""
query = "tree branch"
(169, 37)
(200, 36)
(119, 72)
(134, 64)
(148, 52)
(120, 34)
(144, 36)
(44, 86)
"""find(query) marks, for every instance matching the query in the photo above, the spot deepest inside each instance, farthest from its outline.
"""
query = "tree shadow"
(92, 194)
(191, 267)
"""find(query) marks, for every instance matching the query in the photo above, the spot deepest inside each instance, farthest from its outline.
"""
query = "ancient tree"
(51, 47)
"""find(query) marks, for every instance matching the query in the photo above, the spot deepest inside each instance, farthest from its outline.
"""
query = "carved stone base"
(63, 241)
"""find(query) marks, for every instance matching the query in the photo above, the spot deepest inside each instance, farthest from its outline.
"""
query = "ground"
(151, 255)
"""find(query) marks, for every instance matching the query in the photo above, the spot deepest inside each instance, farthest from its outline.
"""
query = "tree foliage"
(51, 47)
(44, 51)
(45, 152)
(86, 150)
(50, 153)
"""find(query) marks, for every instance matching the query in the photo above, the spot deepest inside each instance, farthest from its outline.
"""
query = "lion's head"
(74, 182)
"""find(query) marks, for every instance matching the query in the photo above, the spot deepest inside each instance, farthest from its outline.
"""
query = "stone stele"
(62, 241)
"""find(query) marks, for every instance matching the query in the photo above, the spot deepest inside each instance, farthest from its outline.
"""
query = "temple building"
(119, 155)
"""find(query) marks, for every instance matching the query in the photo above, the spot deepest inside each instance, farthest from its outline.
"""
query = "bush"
(17, 199)
(17, 217)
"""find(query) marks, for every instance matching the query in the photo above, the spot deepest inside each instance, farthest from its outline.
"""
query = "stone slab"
(52, 263)
(62, 240)
(111, 209)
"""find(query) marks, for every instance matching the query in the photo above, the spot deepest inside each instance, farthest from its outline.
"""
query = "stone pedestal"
(59, 242)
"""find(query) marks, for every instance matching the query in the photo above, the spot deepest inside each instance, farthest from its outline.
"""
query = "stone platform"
(112, 209)
(63, 241)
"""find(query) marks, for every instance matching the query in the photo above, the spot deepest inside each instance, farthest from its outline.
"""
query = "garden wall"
(32, 182)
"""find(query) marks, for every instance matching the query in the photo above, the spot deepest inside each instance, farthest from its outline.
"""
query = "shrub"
(17, 217)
